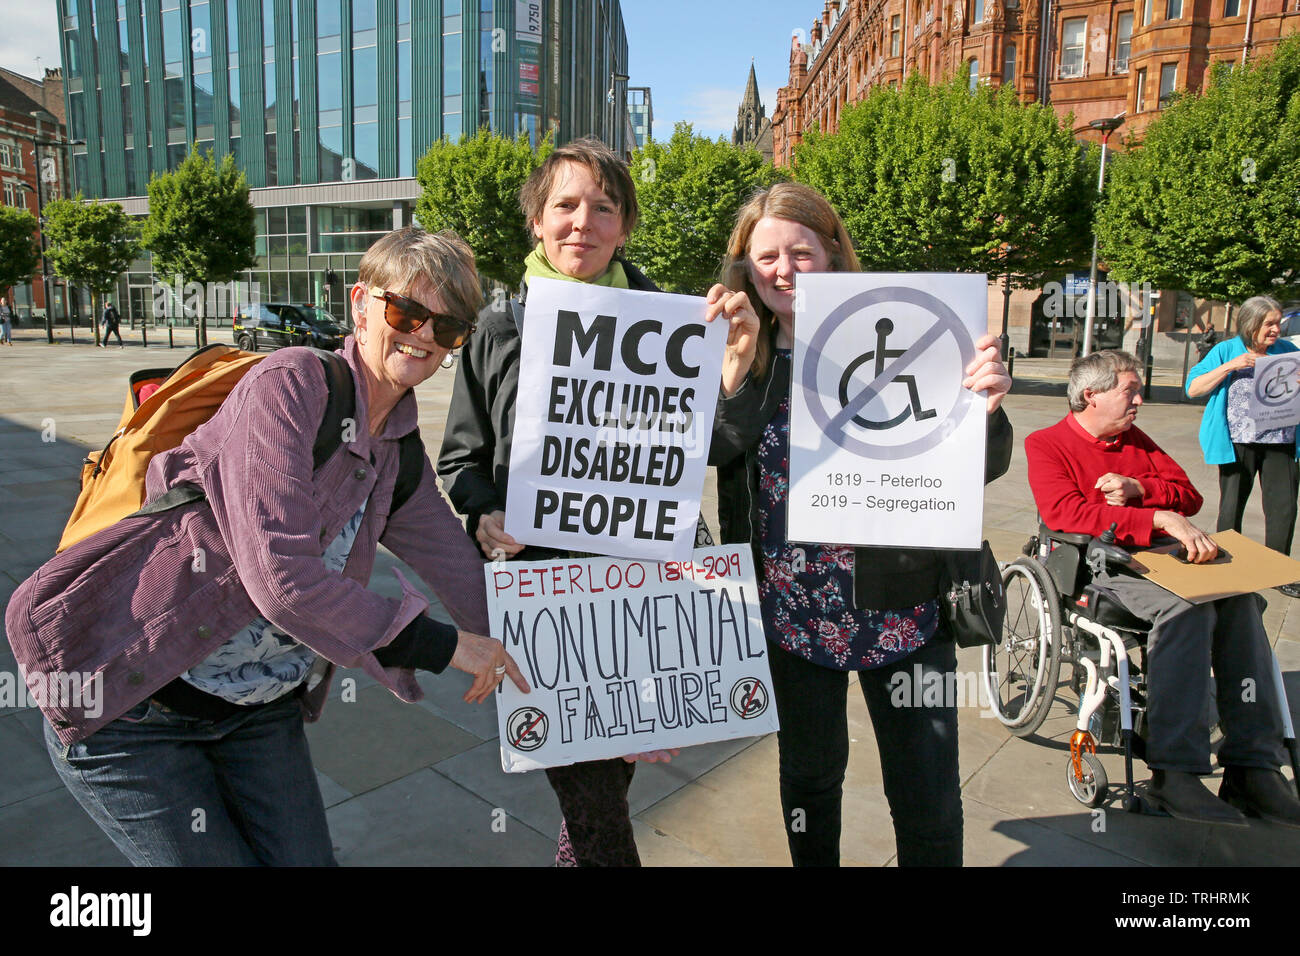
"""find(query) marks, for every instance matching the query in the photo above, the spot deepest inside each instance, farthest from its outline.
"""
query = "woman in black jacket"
(829, 610)
(581, 205)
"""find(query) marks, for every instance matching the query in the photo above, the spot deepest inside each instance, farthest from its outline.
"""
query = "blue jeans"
(918, 757)
(173, 790)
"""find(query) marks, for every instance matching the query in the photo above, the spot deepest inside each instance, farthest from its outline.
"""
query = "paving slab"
(379, 739)
(425, 819)
(27, 767)
(51, 829)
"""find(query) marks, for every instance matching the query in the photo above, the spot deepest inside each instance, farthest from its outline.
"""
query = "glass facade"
(313, 92)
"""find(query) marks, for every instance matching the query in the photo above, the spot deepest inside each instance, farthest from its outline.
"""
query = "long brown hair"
(796, 203)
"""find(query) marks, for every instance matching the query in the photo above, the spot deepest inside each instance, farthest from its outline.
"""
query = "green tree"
(201, 224)
(689, 191)
(20, 254)
(1210, 200)
(472, 188)
(90, 244)
(940, 178)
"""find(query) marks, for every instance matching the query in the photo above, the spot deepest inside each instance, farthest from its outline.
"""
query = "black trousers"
(917, 739)
(1279, 479)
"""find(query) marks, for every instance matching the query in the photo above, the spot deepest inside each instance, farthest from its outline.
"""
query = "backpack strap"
(410, 469)
(340, 405)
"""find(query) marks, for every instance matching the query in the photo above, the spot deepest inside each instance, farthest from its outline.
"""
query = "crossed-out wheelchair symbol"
(1280, 386)
(889, 365)
(879, 354)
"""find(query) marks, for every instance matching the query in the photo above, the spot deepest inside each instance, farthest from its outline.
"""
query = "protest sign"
(1274, 393)
(628, 656)
(886, 447)
(617, 391)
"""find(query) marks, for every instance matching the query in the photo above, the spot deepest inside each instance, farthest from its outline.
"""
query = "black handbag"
(974, 602)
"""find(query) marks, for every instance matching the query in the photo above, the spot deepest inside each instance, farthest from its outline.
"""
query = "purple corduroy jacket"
(146, 599)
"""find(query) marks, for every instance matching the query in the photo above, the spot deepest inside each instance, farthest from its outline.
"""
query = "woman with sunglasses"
(247, 643)
(580, 205)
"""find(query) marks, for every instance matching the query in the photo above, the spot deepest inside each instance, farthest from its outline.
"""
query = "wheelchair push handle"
(1103, 551)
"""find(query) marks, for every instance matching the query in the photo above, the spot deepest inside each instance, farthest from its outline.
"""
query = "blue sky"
(693, 54)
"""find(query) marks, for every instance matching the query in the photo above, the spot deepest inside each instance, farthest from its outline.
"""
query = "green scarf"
(537, 265)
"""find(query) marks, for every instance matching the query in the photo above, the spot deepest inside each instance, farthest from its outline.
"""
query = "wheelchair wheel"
(1091, 790)
(1021, 670)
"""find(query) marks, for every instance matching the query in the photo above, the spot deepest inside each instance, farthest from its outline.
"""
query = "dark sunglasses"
(407, 315)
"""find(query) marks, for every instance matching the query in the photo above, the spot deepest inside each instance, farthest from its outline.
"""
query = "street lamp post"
(37, 143)
(1105, 127)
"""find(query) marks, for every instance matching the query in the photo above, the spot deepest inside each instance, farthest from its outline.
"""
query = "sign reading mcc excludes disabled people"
(886, 447)
(628, 656)
(617, 392)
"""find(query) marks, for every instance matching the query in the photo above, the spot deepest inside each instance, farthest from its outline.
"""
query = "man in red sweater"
(1093, 469)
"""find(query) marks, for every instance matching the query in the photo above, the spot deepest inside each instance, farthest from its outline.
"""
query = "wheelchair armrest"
(1065, 537)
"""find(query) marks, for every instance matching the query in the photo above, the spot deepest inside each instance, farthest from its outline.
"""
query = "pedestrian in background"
(111, 323)
(1230, 438)
(6, 324)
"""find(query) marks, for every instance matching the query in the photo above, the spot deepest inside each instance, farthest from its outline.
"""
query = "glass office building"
(326, 105)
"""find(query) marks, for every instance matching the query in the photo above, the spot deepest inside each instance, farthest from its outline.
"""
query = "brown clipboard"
(1242, 566)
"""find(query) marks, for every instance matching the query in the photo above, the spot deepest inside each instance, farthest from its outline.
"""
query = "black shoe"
(1290, 590)
(1258, 792)
(1183, 797)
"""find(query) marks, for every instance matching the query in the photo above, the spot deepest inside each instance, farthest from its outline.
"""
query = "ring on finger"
(500, 670)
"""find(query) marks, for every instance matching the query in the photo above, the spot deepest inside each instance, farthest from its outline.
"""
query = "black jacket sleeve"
(473, 462)
(1001, 440)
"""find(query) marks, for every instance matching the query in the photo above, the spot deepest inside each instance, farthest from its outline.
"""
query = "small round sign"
(526, 729)
(748, 698)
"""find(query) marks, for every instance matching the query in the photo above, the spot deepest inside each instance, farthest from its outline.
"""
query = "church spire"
(751, 90)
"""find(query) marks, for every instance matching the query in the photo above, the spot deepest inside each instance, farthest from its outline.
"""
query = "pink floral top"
(807, 589)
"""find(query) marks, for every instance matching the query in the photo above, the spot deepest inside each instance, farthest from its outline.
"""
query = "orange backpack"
(113, 480)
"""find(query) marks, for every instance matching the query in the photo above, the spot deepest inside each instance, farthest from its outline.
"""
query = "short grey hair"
(1252, 314)
(1098, 372)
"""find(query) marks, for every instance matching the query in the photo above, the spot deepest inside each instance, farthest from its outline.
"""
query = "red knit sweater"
(1065, 463)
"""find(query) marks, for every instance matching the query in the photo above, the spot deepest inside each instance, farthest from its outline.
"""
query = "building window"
(977, 11)
(14, 196)
(6, 155)
(1140, 102)
(1123, 41)
(1146, 13)
(974, 73)
(1168, 80)
(895, 32)
(1231, 8)
(1072, 37)
(1009, 64)
(1173, 9)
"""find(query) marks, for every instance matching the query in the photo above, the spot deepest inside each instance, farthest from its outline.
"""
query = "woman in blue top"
(1230, 438)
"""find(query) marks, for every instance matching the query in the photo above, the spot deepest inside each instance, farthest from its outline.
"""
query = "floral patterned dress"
(807, 589)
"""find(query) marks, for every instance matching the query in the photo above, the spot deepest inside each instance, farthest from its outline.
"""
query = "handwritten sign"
(1275, 391)
(886, 447)
(629, 656)
(617, 392)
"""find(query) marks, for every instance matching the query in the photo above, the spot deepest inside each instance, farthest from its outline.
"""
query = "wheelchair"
(1055, 614)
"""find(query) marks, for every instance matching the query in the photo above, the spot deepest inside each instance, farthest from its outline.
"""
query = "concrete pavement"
(422, 784)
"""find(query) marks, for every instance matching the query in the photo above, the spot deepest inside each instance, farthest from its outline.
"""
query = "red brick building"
(20, 172)
(1093, 59)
